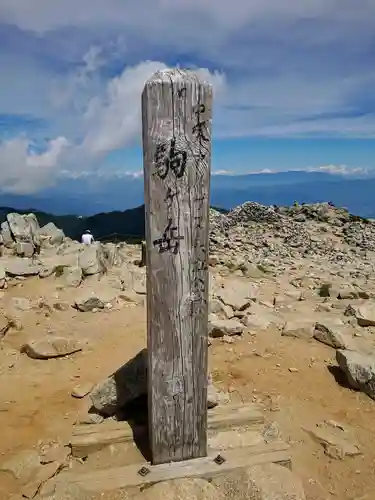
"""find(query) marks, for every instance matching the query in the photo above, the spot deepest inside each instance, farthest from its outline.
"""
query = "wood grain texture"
(176, 120)
(123, 477)
(89, 438)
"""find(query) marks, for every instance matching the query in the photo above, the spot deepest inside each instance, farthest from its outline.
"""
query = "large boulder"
(54, 260)
(300, 328)
(221, 327)
(69, 247)
(332, 333)
(238, 294)
(128, 383)
(6, 234)
(365, 314)
(221, 310)
(24, 228)
(93, 259)
(52, 234)
(71, 276)
(21, 267)
(359, 370)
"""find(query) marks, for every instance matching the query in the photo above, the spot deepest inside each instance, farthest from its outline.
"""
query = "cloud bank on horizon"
(73, 73)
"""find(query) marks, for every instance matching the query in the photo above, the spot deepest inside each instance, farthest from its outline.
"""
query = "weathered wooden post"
(176, 116)
(143, 254)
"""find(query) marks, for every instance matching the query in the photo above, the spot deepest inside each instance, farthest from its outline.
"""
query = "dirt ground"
(36, 403)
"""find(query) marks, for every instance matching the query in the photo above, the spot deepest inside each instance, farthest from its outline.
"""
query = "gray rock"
(21, 267)
(131, 297)
(348, 292)
(359, 370)
(87, 305)
(238, 294)
(336, 442)
(271, 432)
(300, 329)
(90, 418)
(365, 314)
(221, 327)
(52, 234)
(61, 306)
(24, 228)
(25, 249)
(93, 259)
(221, 310)
(51, 347)
(126, 384)
(256, 321)
(140, 287)
(7, 235)
(247, 269)
(69, 249)
(47, 271)
(300, 218)
(331, 333)
(72, 276)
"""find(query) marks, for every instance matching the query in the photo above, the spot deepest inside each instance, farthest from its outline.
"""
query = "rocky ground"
(292, 322)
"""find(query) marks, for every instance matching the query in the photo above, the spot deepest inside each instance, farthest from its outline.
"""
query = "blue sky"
(293, 83)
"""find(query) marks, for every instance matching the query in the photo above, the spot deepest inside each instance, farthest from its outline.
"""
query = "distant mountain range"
(88, 196)
(112, 200)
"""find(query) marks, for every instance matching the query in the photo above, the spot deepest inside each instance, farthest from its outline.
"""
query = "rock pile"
(303, 274)
(30, 250)
(271, 233)
(248, 246)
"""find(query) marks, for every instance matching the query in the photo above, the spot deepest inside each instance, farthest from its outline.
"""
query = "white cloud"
(111, 120)
(284, 69)
(223, 172)
(114, 120)
(23, 171)
(341, 170)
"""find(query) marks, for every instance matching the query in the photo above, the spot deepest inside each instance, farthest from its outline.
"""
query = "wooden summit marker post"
(176, 120)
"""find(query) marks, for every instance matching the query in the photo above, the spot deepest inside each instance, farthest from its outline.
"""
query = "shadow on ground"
(125, 396)
(340, 377)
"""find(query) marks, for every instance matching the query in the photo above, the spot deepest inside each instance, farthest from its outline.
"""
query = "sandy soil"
(36, 403)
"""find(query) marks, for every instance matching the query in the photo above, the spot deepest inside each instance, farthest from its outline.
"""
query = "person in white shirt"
(87, 238)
